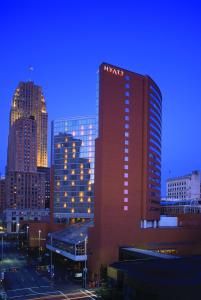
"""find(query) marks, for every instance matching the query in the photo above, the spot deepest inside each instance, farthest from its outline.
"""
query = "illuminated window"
(65, 156)
(90, 126)
(126, 158)
(74, 150)
(125, 192)
(73, 199)
(73, 183)
(66, 150)
(127, 85)
(73, 155)
(125, 175)
(125, 208)
(81, 166)
(125, 167)
(89, 188)
(126, 126)
(65, 177)
(58, 146)
(73, 133)
(81, 172)
(65, 194)
(125, 183)
(65, 161)
(66, 139)
(89, 199)
(126, 134)
(82, 143)
(73, 144)
(58, 183)
(89, 171)
(89, 210)
(89, 182)
(65, 205)
(65, 167)
(126, 101)
(72, 210)
(125, 199)
(73, 172)
(81, 194)
(81, 199)
(126, 142)
(127, 93)
(125, 150)
(81, 177)
(126, 118)
(82, 132)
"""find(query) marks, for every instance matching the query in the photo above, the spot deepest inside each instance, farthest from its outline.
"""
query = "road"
(26, 283)
(81, 294)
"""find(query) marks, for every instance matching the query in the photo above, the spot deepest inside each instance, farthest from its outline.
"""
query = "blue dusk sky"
(66, 41)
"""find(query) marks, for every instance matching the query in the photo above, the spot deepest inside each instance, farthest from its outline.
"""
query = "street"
(23, 282)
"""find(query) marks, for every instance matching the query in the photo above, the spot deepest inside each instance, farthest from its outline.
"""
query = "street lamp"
(27, 239)
(39, 232)
(18, 227)
(2, 248)
(85, 264)
(27, 233)
(51, 266)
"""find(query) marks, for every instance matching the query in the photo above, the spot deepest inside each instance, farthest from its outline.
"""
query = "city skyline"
(67, 70)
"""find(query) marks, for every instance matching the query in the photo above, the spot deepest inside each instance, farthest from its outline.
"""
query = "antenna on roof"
(30, 69)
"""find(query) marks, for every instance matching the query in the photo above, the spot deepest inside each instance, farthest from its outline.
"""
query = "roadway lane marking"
(88, 294)
(32, 287)
(65, 296)
(51, 294)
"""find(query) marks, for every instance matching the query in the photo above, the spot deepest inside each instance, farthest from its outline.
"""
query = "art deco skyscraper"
(28, 104)
(27, 148)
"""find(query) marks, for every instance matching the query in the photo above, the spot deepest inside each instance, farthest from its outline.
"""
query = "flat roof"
(178, 272)
(150, 253)
(73, 234)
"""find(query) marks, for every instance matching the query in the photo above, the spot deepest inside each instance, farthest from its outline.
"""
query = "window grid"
(126, 143)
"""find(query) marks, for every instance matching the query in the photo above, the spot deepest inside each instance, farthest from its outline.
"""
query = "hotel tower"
(127, 162)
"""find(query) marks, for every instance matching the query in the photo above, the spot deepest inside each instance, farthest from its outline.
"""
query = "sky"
(65, 41)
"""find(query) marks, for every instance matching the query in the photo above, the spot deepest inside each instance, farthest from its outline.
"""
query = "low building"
(184, 187)
(156, 278)
(14, 217)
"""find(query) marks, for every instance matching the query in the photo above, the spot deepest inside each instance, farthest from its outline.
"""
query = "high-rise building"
(2, 194)
(72, 160)
(27, 150)
(128, 161)
(46, 172)
(184, 187)
(29, 107)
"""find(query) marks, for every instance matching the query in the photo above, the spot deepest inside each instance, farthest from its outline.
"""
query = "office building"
(29, 106)
(72, 160)
(27, 150)
(185, 187)
(2, 194)
(46, 172)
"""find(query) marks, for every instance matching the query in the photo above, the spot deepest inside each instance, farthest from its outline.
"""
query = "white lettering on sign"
(113, 70)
